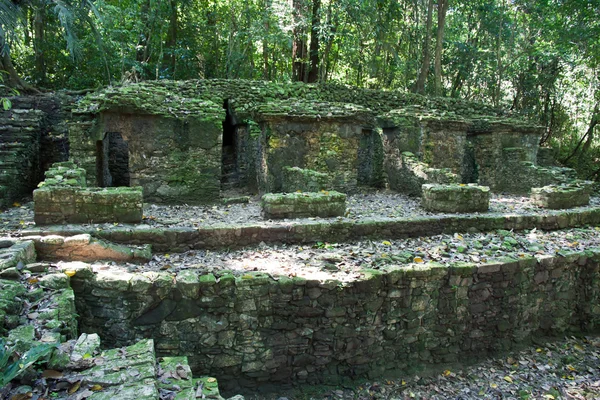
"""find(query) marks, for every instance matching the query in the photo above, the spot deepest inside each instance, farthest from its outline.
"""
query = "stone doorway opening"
(229, 154)
(112, 161)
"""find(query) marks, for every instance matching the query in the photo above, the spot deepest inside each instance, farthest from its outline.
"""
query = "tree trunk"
(299, 48)
(38, 44)
(170, 60)
(313, 74)
(420, 85)
(439, 45)
(13, 80)
(265, 42)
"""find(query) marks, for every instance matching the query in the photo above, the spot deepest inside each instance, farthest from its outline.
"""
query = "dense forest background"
(539, 57)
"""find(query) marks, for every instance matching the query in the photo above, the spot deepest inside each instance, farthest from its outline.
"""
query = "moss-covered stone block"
(456, 198)
(307, 204)
(575, 194)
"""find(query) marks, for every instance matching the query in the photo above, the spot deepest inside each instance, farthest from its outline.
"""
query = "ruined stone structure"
(184, 142)
(304, 148)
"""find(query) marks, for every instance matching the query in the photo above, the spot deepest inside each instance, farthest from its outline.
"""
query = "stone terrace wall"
(254, 328)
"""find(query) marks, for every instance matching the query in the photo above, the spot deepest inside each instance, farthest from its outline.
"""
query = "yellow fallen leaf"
(493, 386)
(579, 347)
(96, 388)
(16, 204)
(386, 243)
(74, 387)
(403, 383)
(69, 272)
(167, 255)
(446, 372)
(418, 260)
(31, 281)
(383, 255)
(549, 397)
(570, 368)
(211, 380)
(508, 379)
(538, 350)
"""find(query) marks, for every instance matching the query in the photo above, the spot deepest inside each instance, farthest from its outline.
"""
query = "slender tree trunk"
(332, 23)
(439, 45)
(313, 73)
(38, 44)
(420, 85)
(299, 48)
(170, 60)
(265, 41)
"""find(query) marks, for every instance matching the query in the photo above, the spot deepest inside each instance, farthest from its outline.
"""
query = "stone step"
(175, 379)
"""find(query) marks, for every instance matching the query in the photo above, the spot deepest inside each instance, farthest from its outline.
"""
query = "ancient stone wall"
(254, 328)
(173, 159)
(21, 131)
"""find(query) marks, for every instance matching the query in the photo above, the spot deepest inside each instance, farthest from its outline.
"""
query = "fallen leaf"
(69, 272)
(52, 374)
(75, 387)
(508, 379)
(418, 260)
(96, 388)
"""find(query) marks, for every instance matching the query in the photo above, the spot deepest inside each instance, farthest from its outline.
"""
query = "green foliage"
(11, 369)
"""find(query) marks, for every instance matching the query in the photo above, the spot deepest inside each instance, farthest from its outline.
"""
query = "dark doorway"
(229, 170)
(112, 161)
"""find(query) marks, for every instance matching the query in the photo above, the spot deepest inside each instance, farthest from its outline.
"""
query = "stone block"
(455, 198)
(300, 205)
(571, 195)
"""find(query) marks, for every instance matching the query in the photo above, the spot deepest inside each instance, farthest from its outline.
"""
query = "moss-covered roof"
(249, 99)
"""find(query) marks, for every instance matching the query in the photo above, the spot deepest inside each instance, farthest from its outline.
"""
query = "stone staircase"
(229, 175)
(38, 335)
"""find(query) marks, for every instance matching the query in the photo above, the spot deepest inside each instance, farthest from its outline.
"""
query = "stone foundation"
(306, 204)
(456, 198)
(562, 196)
(254, 328)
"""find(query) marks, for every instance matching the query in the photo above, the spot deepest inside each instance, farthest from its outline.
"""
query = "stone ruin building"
(96, 159)
(184, 142)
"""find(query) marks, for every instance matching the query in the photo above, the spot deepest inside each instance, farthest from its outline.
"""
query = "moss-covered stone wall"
(173, 159)
(330, 128)
(255, 328)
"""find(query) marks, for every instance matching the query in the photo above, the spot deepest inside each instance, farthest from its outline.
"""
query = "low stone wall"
(562, 196)
(217, 237)
(306, 204)
(59, 204)
(456, 198)
(256, 328)
(304, 180)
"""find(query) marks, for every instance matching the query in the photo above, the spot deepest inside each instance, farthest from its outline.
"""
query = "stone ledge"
(84, 247)
(223, 236)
